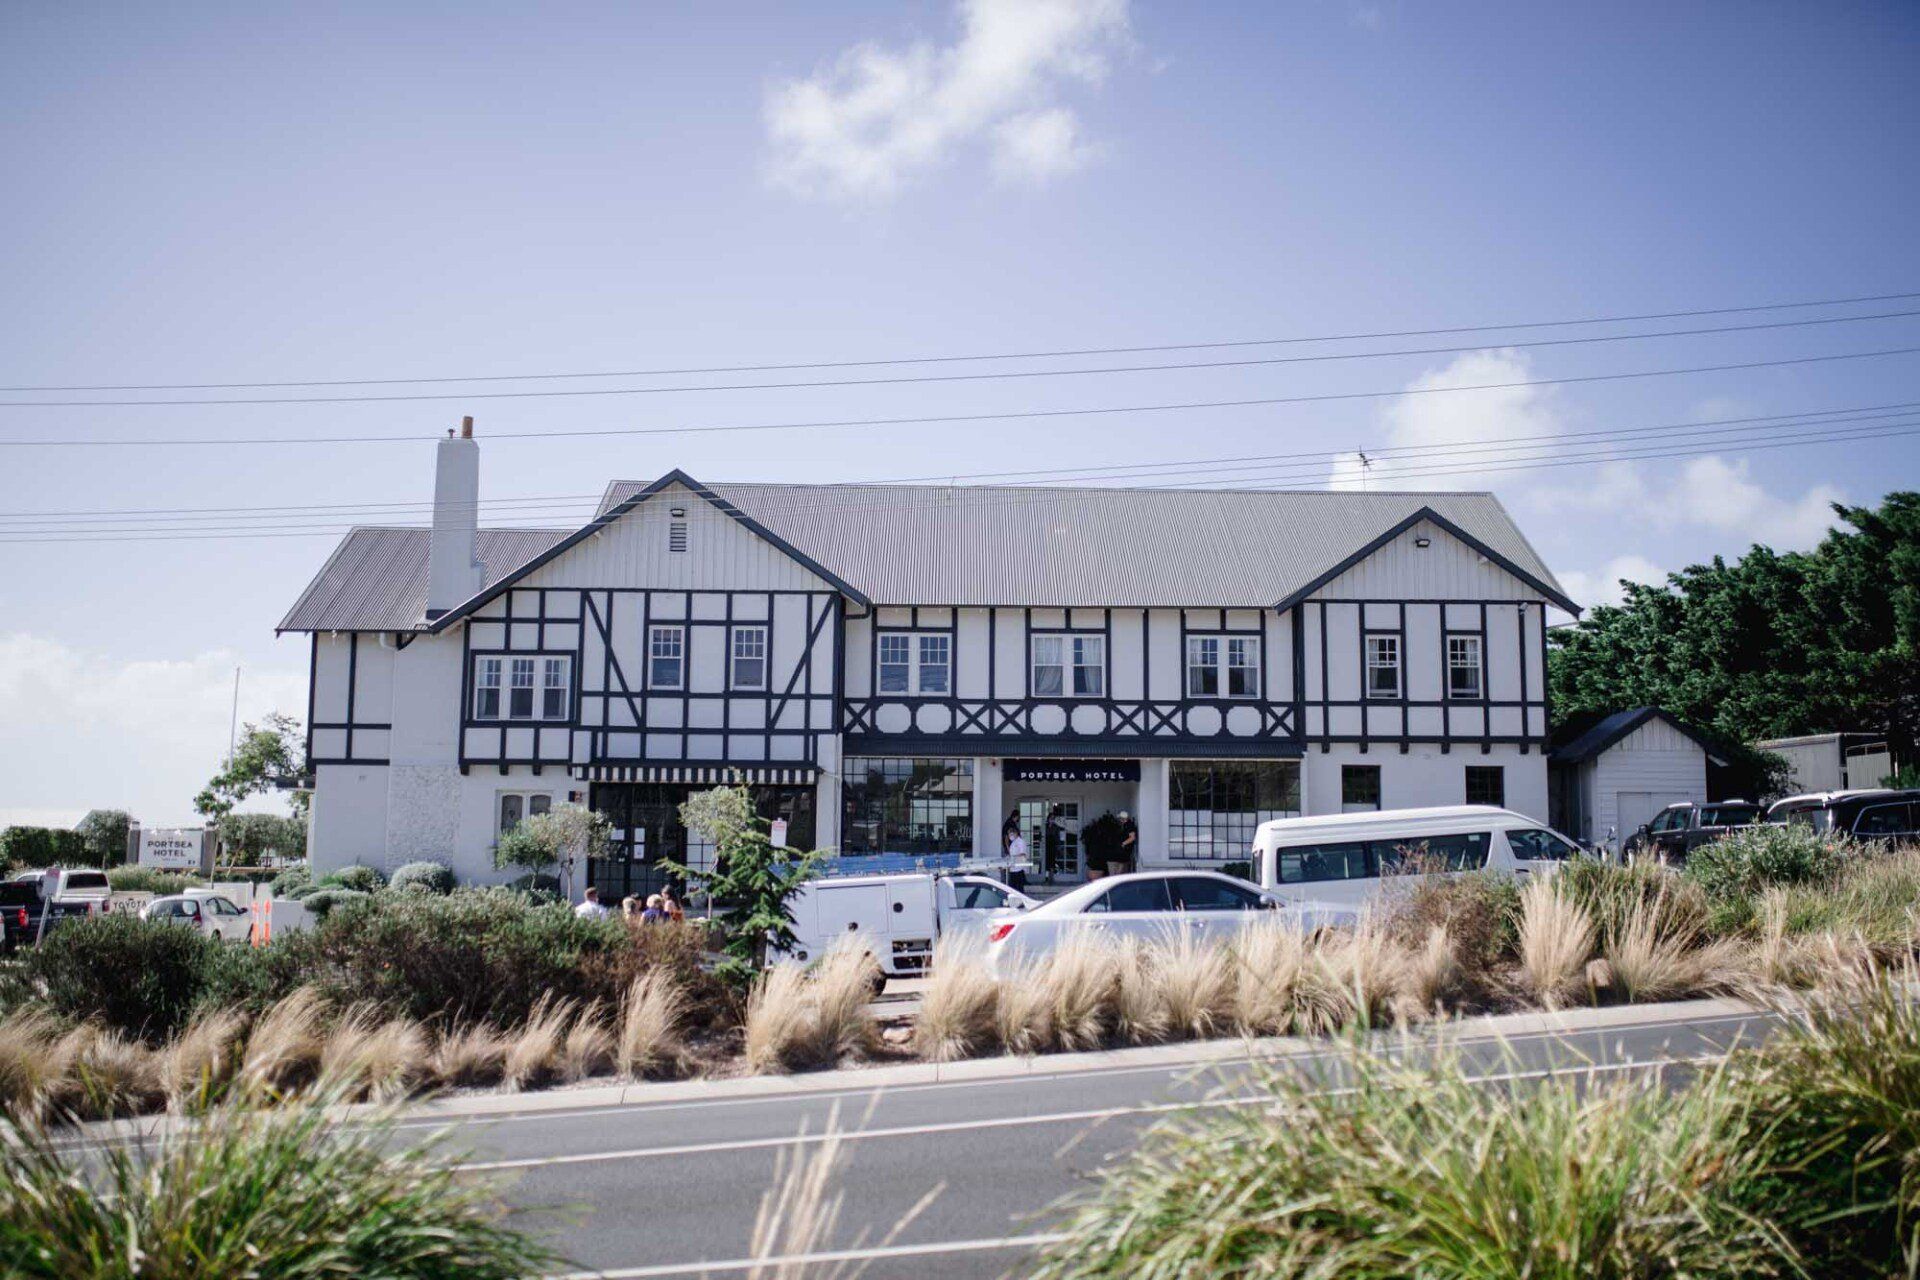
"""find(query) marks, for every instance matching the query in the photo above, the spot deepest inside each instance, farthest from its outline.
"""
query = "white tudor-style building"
(899, 668)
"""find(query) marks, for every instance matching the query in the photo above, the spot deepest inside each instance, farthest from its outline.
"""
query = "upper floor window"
(486, 688)
(749, 658)
(1463, 667)
(916, 662)
(1066, 665)
(1223, 666)
(666, 657)
(1383, 666)
(534, 687)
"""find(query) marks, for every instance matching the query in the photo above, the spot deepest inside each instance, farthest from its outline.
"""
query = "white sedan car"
(1149, 906)
(207, 914)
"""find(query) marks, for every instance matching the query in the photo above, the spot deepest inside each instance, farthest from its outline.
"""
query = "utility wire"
(1066, 353)
(1389, 455)
(930, 419)
(1002, 497)
(904, 379)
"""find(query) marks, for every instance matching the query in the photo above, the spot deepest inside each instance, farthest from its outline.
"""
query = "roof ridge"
(935, 486)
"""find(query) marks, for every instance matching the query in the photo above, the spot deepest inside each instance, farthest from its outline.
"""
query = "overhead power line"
(984, 497)
(1390, 455)
(929, 419)
(1065, 353)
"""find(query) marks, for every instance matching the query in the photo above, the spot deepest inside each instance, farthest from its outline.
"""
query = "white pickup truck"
(899, 916)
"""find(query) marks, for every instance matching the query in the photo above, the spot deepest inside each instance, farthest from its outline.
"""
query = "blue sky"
(240, 193)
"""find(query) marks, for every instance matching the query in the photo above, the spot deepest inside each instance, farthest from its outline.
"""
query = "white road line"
(1012, 1122)
(831, 1255)
(587, 1112)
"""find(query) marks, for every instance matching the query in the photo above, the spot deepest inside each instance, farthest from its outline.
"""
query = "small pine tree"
(752, 881)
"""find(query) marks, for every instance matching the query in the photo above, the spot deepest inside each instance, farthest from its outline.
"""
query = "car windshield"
(1729, 815)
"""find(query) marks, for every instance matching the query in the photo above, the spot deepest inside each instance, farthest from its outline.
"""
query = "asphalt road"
(671, 1189)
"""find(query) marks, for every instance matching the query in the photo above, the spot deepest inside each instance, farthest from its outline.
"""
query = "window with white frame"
(1463, 667)
(1066, 665)
(916, 662)
(533, 687)
(556, 687)
(666, 657)
(486, 688)
(1223, 666)
(517, 805)
(520, 688)
(1383, 666)
(748, 658)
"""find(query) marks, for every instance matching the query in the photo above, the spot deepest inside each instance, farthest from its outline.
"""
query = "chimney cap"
(466, 428)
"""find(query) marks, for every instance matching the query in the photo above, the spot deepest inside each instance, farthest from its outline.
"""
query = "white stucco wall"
(1425, 776)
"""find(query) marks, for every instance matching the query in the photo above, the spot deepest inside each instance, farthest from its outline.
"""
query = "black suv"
(1866, 815)
(1679, 829)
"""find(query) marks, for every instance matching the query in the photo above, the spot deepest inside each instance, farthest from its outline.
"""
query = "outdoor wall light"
(1423, 541)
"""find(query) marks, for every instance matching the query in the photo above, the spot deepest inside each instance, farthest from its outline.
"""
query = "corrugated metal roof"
(376, 579)
(980, 545)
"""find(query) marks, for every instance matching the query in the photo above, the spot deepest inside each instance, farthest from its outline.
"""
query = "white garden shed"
(1610, 773)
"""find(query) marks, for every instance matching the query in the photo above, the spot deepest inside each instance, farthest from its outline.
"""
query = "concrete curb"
(1198, 1053)
(450, 1111)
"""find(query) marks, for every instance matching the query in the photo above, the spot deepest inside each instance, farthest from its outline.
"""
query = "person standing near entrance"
(1129, 843)
(1017, 859)
(1056, 839)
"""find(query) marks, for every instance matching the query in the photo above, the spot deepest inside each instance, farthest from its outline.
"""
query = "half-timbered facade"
(897, 668)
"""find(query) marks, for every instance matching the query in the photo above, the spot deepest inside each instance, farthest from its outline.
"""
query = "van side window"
(1466, 852)
(1351, 860)
(1884, 820)
(1534, 843)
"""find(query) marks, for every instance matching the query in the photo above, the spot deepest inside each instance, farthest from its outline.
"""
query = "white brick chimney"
(454, 574)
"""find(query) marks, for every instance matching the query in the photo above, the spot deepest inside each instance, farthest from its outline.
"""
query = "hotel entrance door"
(1061, 861)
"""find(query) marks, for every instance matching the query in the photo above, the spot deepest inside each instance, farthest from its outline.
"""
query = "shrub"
(1737, 867)
(799, 1019)
(425, 877)
(957, 1005)
(151, 880)
(287, 883)
(135, 976)
(1479, 910)
(1613, 893)
(325, 900)
(1422, 1171)
(1556, 940)
(362, 878)
(283, 1193)
(473, 954)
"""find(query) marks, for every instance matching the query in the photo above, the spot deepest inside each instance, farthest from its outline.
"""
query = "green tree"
(563, 838)
(752, 882)
(247, 839)
(36, 847)
(270, 756)
(104, 831)
(1770, 645)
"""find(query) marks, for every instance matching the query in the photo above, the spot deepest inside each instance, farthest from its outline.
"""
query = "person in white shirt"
(1017, 857)
(591, 908)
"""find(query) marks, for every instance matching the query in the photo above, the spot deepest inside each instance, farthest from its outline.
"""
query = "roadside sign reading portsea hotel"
(172, 848)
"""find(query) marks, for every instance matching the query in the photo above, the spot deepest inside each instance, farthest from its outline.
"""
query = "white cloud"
(1709, 492)
(1602, 586)
(84, 730)
(865, 123)
(1452, 430)
(1041, 145)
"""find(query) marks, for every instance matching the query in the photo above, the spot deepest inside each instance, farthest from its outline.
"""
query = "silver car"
(1147, 906)
(208, 914)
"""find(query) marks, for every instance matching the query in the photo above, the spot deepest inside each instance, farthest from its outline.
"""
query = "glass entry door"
(1055, 855)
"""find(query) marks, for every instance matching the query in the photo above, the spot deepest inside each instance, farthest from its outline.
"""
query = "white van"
(1346, 858)
(899, 916)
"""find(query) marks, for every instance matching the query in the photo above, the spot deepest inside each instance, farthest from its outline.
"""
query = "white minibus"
(1345, 859)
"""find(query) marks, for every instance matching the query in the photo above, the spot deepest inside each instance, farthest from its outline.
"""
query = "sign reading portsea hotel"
(908, 669)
